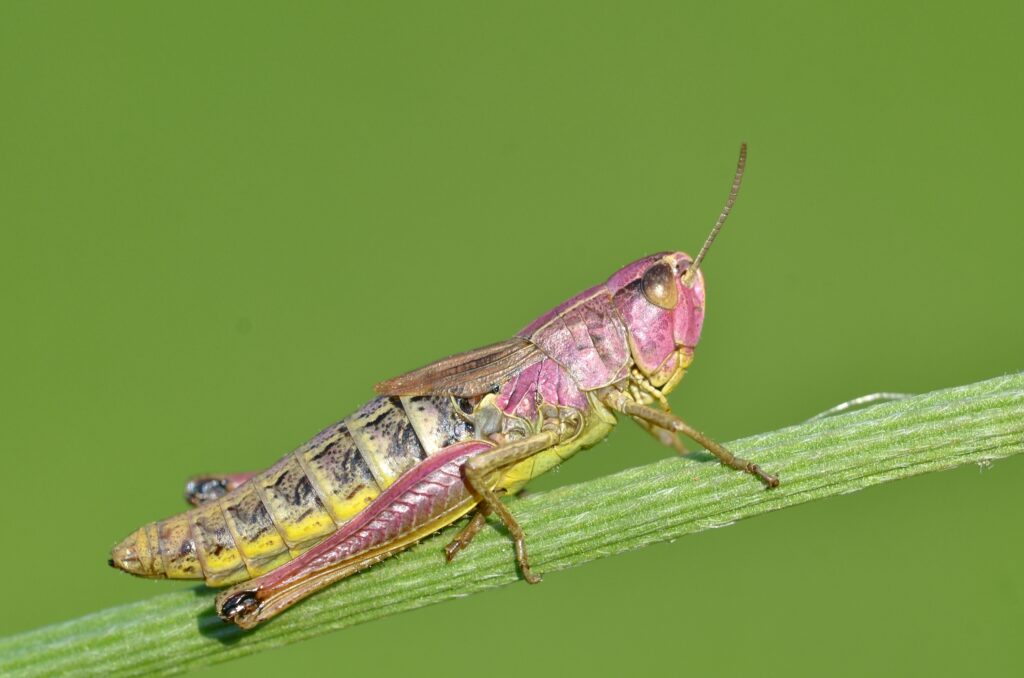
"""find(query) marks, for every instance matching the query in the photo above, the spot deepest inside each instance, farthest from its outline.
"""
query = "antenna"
(740, 164)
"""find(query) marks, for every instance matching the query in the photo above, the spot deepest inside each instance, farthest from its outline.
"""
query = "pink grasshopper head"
(663, 314)
(661, 300)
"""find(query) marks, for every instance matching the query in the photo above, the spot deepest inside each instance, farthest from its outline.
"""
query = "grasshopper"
(443, 441)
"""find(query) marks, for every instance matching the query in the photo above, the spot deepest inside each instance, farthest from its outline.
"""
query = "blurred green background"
(221, 224)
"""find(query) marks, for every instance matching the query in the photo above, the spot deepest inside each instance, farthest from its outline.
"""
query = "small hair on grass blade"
(862, 401)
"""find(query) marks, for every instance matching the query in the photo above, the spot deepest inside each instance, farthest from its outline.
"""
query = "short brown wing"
(466, 374)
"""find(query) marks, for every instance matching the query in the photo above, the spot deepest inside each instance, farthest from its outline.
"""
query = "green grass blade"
(566, 527)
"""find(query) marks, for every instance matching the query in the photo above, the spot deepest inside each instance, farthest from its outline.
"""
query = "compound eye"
(659, 286)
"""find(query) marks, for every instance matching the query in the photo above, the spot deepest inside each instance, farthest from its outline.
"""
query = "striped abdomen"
(303, 498)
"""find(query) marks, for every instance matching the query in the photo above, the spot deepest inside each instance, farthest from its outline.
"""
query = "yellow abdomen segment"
(303, 498)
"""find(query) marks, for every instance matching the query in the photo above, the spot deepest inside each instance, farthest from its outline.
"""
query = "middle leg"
(477, 469)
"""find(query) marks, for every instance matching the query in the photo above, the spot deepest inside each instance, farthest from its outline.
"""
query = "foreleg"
(671, 422)
(663, 436)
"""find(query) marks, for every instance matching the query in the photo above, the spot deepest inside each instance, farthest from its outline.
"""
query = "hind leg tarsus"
(202, 489)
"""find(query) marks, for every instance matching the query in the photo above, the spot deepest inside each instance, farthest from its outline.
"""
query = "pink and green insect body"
(642, 316)
(441, 442)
